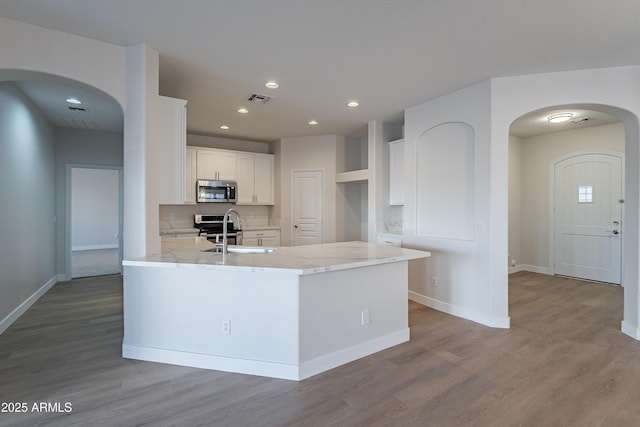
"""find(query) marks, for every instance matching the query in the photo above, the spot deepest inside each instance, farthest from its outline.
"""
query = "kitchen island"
(290, 314)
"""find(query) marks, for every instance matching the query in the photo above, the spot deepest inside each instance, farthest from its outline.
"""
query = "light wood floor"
(564, 362)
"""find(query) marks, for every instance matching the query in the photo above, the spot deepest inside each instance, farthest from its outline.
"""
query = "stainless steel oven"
(211, 227)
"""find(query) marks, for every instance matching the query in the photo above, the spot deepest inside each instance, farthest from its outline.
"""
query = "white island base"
(274, 322)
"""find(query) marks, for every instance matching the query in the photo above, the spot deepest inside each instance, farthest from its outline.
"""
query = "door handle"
(615, 232)
(295, 226)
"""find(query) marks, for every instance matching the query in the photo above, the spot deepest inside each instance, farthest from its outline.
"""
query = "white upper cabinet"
(216, 164)
(264, 179)
(396, 172)
(254, 173)
(246, 178)
(255, 178)
(190, 175)
(170, 148)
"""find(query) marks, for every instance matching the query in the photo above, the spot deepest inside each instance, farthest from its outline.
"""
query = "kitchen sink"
(234, 249)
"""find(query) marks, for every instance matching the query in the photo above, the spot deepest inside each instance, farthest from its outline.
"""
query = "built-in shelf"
(358, 176)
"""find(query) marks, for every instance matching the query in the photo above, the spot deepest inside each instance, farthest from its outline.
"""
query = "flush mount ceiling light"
(243, 110)
(225, 127)
(559, 118)
(313, 122)
(353, 104)
(74, 101)
(272, 85)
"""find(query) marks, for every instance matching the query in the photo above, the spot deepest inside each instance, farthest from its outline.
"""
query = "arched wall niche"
(445, 182)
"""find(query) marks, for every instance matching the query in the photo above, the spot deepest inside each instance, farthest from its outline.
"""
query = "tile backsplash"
(181, 216)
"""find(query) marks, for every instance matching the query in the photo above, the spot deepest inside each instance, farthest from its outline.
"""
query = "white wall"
(463, 268)
(383, 218)
(227, 143)
(311, 152)
(475, 282)
(515, 201)
(536, 155)
(28, 49)
(141, 189)
(27, 203)
(351, 210)
(95, 209)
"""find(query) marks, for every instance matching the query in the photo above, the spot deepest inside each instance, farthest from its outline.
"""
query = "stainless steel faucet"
(224, 228)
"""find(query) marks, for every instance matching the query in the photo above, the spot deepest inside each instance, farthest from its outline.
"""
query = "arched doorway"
(50, 133)
(626, 131)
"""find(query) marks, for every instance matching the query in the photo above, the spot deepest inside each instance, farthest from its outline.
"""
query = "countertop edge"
(285, 270)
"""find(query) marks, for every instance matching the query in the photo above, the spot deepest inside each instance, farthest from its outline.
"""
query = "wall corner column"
(140, 228)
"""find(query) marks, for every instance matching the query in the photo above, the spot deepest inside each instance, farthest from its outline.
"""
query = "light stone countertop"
(188, 253)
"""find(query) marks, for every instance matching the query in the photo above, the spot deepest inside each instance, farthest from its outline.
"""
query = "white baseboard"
(263, 368)
(19, 311)
(530, 268)
(630, 330)
(494, 322)
(515, 269)
(332, 360)
(94, 247)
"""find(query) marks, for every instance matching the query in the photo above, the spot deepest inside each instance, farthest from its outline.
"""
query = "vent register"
(259, 98)
(75, 118)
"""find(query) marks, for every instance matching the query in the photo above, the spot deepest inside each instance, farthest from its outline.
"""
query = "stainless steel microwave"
(216, 191)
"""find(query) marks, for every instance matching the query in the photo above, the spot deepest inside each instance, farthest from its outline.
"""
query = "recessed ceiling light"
(75, 101)
(272, 85)
(225, 127)
(243, 110)
(352, 104)
(313, 122)
(559, 118)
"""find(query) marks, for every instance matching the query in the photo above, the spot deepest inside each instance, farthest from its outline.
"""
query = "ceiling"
(386, 55)
(537, 123)
(97, 112)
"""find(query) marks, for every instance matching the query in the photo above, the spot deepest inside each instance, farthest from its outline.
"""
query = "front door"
(307, 208)
(588, 217)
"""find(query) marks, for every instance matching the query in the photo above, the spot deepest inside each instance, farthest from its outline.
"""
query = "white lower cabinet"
(389, 239)
(269, 237)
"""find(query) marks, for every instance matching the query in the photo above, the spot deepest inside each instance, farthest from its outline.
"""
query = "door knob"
(615, 232)
(295, 226)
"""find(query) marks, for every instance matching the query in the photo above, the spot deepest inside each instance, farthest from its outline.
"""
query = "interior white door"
(588, 217)
(307, 208)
